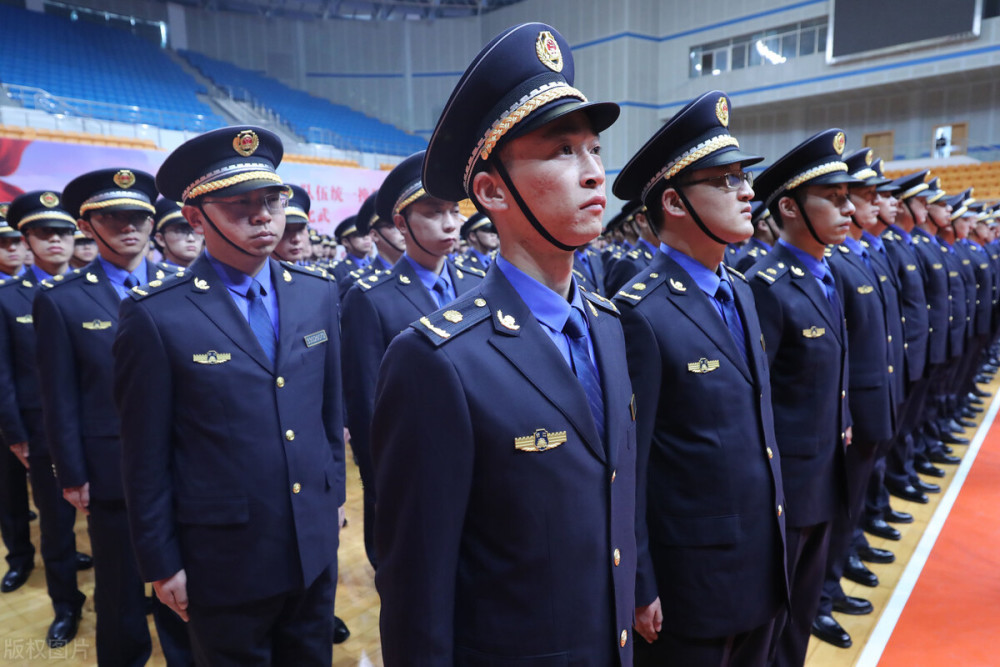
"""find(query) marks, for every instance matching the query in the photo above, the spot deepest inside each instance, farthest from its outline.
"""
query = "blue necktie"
(441, 293)
(576, 331)
(724, 295)
(260, 321)
(130, 282)
(829, 287)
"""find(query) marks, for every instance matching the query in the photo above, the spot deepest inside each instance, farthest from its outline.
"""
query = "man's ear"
(400, 222)
(788, 207)
(671, 203)
(489, 191)
(193, 215)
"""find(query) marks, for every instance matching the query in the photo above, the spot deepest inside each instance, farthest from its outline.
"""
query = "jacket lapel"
(409, 285)
(609, 348)
(808, 285)
(101, 291)
(212, 297)
(529, 349)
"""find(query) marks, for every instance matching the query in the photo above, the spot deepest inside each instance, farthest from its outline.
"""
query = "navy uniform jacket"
(233, 470)
(888, 283)
(710, 539)
(958, 300)
(935, 276)
(807, 349)
(626, 268)
(983, 275)
(75, 323)
(905, 266)
(18, 375)
(490, 553)
(967, 274)
(748, 255)
(345, 272)
(871, 392)
(596, 268)
(378, 308)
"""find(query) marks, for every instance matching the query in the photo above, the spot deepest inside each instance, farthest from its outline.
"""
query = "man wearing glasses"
(174, 236)
(710, 530)
(233, 460)
(802, 320)
(75, 317)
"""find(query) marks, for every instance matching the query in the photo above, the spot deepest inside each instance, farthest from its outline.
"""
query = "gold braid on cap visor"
(515, 114)
(406, 200)
(167, 218)
(205, 184)
(118, 201)
(815, 172)
(696, 153)
(865, 174)
(916, 189)
(295, 210)
(47, 215)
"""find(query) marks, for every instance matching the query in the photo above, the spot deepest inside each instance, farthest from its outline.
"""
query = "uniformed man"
(358, 247)
(711, 561)
(84, 250)
(21, 415)
(505, 478)
(639, 257)
(386, 238)
(870, 393)
(235, 473)
(483, 241)
(588, 268)
(765, 235)
(383, 304)
(76, 317)
(802, 320)
(174, 237)
(294, 244)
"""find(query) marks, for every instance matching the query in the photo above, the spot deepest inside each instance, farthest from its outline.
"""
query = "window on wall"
(768, 47)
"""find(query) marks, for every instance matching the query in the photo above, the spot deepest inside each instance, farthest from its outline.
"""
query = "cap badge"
(124, 179)
(839, 142)
(246, 142)
(869, 157)
(49, 200)
(3, 209)
(722, 111)
(548, 51)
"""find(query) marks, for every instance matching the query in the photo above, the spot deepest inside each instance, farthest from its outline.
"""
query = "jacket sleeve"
(333, 398)
(146, 407)
(12, 430)
(59, 386)
(423, 446)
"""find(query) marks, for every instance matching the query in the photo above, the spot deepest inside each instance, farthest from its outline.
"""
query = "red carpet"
(953, 614)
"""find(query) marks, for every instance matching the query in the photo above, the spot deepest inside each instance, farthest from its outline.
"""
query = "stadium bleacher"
(129, 79)
(338, 125)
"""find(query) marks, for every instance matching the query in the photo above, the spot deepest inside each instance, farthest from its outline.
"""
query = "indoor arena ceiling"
(355, 9)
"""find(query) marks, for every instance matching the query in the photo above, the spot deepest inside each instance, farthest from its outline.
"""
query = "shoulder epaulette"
(600, 302)
(770, 273)
(375, 279)
(634, 253)
(639, 287)
(459, 316)
(736, 273)
(159, 285)
(62, 279)
(469, 269)
(315, 272)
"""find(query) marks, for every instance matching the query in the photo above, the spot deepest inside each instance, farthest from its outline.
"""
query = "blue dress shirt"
(428, 279)
(818, 268)
(117, 275)
(238, 284)
(706, 279)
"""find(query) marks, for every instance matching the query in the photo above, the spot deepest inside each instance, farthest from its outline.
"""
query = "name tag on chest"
(316, 338)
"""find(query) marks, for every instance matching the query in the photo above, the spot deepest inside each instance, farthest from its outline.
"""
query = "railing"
(37, 98)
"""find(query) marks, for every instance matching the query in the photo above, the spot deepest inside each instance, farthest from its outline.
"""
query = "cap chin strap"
(390, 243)
(854, 221)
(544, 233)
(93, 228)
(696, 218)
(413, 236)
(201, 207)
(809, 224)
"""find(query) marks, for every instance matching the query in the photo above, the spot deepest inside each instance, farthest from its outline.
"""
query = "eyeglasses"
(122, 218)
(727, 181)
(244, 207)
(179, 230)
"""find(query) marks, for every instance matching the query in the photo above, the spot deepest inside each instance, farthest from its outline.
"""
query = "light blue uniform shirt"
(428, 279)
(118, 275)
(238, 283)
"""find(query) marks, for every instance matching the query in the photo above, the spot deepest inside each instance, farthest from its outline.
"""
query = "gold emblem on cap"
(3, 209)
(722, 111)
(869, 157)
(49, 199)
(124, 179)
(246, 142)
(839, 141)
(548, 51)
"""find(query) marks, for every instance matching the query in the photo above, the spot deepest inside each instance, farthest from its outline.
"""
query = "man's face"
(939, 213)
(866, 208)
(10, 255)
(126, 233)
(383, 234)
(888, 206)
(829, 209)
(181, 241)
(918, 207)
(558, 171)
(435, 223)
(357, 245)
(488, 241)
(724, 209)
(253, 221)
(294, 243)
(85, 253)
(52, 245)
(963, 226)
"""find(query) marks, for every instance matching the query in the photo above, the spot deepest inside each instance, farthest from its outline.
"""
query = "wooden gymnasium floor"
(26, 613)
